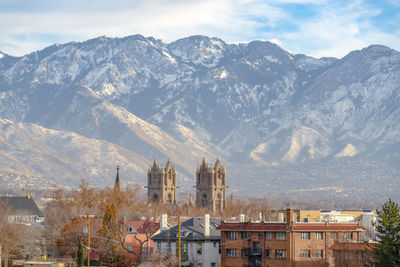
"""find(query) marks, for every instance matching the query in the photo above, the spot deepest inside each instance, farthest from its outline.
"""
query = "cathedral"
(161, 183)
(210, 185)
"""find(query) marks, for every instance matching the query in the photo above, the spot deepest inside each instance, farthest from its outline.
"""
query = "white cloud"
(337, 31)
(334, 31)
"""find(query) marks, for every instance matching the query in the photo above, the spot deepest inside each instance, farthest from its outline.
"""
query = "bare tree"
(11, 235)
(159, 260)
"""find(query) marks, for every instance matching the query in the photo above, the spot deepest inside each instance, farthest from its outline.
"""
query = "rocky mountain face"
(279, 121)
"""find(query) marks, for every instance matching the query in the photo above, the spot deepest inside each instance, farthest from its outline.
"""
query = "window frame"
(319, 235)
(231, 253)
(281, 252)
(268, 235)
(268, 253)
(319, 255)
(305, 235)
(305, 254)
(280, 236)
(231, 235)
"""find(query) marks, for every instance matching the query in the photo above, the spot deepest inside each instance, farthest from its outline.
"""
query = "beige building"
(161, 183)
(210, 186)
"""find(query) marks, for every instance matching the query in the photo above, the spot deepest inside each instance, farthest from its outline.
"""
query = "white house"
(200, 241)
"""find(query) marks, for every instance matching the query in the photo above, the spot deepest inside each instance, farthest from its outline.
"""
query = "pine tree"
(79, 256)
(388, 228)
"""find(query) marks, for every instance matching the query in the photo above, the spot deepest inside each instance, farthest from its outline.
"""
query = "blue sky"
(313, 27)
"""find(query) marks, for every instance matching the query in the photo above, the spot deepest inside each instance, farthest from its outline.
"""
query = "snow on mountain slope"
(49, 156)
(254, 103)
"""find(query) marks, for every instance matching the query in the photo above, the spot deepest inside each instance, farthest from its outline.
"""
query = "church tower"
(117, 185)
(210, 186)
(161, 183)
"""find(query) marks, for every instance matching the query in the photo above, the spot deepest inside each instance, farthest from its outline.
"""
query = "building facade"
(200, 241)
(210, 186)
(161, 183)
(285, 244)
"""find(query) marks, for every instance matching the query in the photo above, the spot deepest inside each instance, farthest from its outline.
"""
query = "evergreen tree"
(79, 256)
(388, 227)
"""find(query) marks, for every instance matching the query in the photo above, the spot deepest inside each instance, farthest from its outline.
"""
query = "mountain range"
(283, 124)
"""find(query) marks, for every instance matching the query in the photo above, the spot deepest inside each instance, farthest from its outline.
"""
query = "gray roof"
(191, 229)
(22, 206)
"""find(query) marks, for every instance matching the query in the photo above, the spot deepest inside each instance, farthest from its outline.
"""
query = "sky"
(319, 28)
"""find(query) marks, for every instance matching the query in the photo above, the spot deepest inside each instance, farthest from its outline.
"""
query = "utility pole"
(88, 241)
(179, 241)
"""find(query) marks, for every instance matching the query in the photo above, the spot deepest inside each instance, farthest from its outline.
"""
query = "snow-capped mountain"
(255, 105)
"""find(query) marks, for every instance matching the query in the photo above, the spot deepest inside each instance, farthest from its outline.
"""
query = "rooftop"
(192, 229)
(21, 206)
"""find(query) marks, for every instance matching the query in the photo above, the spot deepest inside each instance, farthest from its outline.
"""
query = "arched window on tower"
(204, 200)
(155, 197)
(218, 201)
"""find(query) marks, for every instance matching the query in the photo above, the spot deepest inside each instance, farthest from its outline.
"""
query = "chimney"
(242, 218)
(289, 217)
(163, 222)
(206, 223)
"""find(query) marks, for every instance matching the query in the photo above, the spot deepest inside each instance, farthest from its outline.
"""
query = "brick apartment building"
(289, 243)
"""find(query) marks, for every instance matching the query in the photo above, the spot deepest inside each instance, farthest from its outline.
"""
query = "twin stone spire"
(161, 185)
(210, 185)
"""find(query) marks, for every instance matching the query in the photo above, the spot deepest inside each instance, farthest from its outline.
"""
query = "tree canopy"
(388, 227)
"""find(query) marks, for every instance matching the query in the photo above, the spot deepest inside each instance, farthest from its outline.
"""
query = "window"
(268, 253)
(260, 236)
(280, 235)
(334, 236)
(319, 253)
(199, 248)
(319, 235)
(231, 253)
(348, 236)
(256, 248)
(305, 253)
(256, 262)
(215, 244)
(305, 235)
(158, 246)
(245, 235)
(245, 252)
(280, 254)
(231, 235)
(213, 264)
(169, 247)
(268, 235)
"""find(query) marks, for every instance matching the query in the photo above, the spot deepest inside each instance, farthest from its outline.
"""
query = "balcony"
(255, 252)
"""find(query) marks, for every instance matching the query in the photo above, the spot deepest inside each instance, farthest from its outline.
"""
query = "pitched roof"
(144, 226)
(191, 229)
(22, 206)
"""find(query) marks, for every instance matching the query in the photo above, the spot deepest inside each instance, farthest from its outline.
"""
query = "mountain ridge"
(252, 103)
